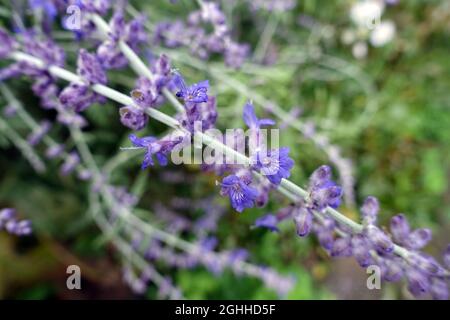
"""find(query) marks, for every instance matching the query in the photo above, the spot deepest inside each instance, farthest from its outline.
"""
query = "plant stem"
(266, 37)
(23, 146)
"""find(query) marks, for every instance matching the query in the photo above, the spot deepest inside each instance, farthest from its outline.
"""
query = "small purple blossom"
(95, 6)
(361, 250)
(54, 151)
(37, 135)
(78, 97)
(303, 220)
(196, 93)
(152, 146)
(274, 164)
(268, 221)
(252, 121)
(370, 210)
(10, 223)
(379, 239)
(90, 69)
(7, 42)
(71, 162)
(326, 195)
(342, 247)
(133, 117)
(241, 195)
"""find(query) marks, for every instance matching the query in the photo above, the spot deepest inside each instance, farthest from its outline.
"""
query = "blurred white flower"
(348, 37)
(367, 13)
(382, 34)
(360, 50)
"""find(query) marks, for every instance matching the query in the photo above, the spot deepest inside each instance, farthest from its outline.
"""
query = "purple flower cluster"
(39, 46)
(274, 165)
(79, 96)
(10, 223)
(132, 33)
(159, 148)
(148, 93)
(371, 246)
(193, 34)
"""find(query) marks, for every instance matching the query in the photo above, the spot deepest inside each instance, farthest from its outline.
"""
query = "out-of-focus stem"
(22, 145)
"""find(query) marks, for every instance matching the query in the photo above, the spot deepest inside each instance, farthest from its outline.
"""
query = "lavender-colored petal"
(341, 247)
(370, 210)
(303, 220)
(419, 238)
(418, 282)
(400, 228)
(379, 239)
(268, 221)
(439, 289)
(361, 250)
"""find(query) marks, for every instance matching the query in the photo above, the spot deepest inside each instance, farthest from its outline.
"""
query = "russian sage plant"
(248, 170)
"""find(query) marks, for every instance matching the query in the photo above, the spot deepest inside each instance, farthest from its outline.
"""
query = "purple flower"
(447, 256)
(159, 148)
(403, 235)
(212, 13)
(71, 119)
(326, 195)
(360, 249)
(9, 222)
(70, 163)
(235, 54)
(7, 43)
(200, 116)
(110, 56)
(418, 282)
(95, 6)
(36, 136)
(323, 191)
(268, 221)
(370, 210)
(439, 289)
(252, 121)
(419, 238)
(78, 97)
(425, 263)
(320, 177)
(241, 194)
(303, 219)
(274, 164)
(342, 247)
(6, 215)
(399, 228)
(133, 117)
(196, 93)
(54, 151)
(379, 239)
(47, 6)
(89, 68)
(143, 98)
(44, 49)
